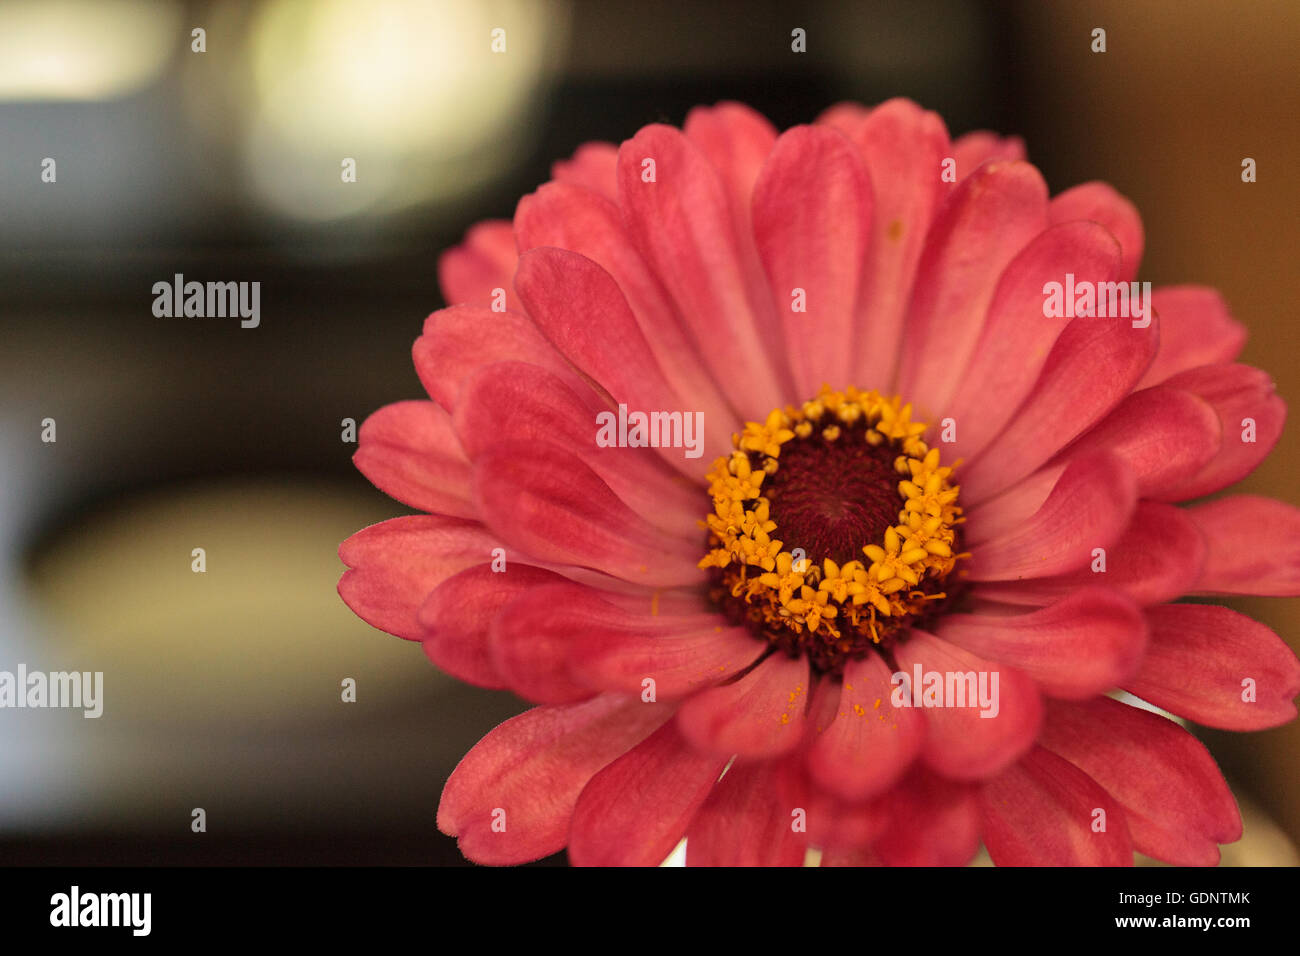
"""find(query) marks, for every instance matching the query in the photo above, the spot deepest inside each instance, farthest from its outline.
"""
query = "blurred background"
(222, 689)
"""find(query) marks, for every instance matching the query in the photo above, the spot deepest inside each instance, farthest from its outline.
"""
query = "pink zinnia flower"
(909, 467)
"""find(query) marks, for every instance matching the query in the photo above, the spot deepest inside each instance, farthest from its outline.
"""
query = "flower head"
(879, 605)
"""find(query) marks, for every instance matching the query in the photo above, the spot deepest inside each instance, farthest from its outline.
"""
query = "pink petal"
(959, 742)
(1099, 202)
(1163, 434)
(1158, 558)
(1005, 514)
(931, 822)
(831, 823)
(527, 774)
(458, 340)
(736, 140)
(594, 166)
(396, 563)
(847, 116)
(1253, 546)
(537, 639)
(743, 823)
(576, 219)
(1041, 812)
(1088, 507)
(812, 221)
(1091, 368)
(1251, 413)
(1195, 329)
(1082, 645)
(518, 402)
(679, 664)
(485, 261)
(682, 225)
(1017, 337)
(855, 858)
(760, 715)
(1203, 660)
(902, 146)
(868, 743)
(638, 808)
(972, 150)
(1177, 805)
(409, 451)
(542, 499)
(456, 617)
(987, 220)
(558, 286)
(669, 602)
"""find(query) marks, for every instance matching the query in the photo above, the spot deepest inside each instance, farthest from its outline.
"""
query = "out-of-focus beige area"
(222, 689)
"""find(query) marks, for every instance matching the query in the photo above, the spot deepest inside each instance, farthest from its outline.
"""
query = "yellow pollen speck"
(895, 231)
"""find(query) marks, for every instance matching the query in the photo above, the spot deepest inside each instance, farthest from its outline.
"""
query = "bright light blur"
(261, 631)
(410, 89)
(84, 49)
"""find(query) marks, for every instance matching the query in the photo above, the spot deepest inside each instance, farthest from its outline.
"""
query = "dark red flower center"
(832, 498)
(834, 528)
